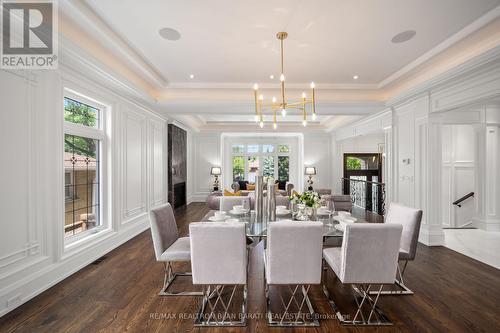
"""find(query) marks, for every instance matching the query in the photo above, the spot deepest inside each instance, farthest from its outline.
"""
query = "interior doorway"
(362, 180)
(458, 198)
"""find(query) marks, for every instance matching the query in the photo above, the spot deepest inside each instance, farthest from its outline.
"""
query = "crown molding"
(327, 108)
(475, 63)
(271, 85)
(469, 29)
(88, 20)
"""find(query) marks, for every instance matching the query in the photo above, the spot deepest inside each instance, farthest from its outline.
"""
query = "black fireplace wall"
(177, 165)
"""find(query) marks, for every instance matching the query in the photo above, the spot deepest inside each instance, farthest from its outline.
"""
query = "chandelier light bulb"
(271, 76)
(261, 124)
(261, 97)
(282, 77)
(313, 85)
(274, 99)
(303, 95)
(256, 118)
(314, 116)
(255, 86)
(275, 126)
(304, 123)
(283, 112)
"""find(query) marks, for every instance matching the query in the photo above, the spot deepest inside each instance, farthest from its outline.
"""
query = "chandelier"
(282, 106)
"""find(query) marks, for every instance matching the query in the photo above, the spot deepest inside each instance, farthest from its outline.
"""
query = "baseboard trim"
(487, 225)
(431, 236)
(40, 281)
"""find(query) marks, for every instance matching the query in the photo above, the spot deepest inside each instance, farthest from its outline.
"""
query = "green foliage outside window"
(82, 114)
(353, 163)
(268, 166)
(283, 167)
(238, 168)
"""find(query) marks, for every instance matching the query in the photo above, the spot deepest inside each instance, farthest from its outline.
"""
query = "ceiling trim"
(88, 20)
(469, 29)
(272, 85)
(323, 108)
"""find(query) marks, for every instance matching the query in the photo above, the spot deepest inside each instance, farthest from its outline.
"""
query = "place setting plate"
(226, 219)
(283, 212)
(238, 213)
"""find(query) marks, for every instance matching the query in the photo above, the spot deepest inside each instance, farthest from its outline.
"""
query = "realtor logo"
(29, 34)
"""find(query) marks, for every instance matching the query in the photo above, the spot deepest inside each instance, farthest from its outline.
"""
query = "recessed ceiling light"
(169, 34)
(191, 76)
(404, 36)
(355, 77)
(271, 76)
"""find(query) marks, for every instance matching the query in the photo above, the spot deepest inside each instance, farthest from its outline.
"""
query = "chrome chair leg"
(361, 317)
(399, 282)
(215, 306)
(169, 278)
(291, 318)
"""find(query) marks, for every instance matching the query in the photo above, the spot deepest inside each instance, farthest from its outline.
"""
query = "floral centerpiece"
(310, 200)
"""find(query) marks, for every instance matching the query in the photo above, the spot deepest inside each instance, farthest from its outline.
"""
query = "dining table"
(257, 228)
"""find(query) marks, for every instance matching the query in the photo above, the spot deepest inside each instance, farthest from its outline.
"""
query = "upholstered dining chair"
(411, 219)
(227, 203)
(169, 247)
(293, 260)
(368, 256)
(219, 264)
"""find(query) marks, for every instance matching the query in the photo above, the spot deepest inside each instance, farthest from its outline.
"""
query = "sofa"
(213, 200)
(238, 186)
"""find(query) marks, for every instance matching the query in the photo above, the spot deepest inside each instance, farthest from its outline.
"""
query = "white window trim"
(261, 155)
(99, 133)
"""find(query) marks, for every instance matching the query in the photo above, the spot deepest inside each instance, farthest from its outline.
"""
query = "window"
(238, 168)
(253, 168)
(68, 185)
(83, 141)
(273, 160)
(268, 166)
(283, 168)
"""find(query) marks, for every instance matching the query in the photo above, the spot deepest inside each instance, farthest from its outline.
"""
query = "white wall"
(206, 149)
(317, 153)
(33, 253)
(457, 174)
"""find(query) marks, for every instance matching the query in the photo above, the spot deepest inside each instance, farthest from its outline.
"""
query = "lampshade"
(310, 170)
(215, 171)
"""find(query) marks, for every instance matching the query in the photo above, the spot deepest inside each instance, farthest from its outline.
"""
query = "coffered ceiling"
(227, 41)
(228, 45)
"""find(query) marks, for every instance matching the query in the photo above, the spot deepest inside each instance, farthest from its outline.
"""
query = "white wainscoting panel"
(134, 166)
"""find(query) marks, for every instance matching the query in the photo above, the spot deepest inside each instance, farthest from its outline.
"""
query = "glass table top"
(258, 228)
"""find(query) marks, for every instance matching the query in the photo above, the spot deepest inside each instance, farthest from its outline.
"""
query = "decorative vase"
(301, 213)
(313, 213)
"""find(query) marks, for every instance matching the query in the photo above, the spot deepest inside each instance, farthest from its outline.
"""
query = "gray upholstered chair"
(219, 264)
(293, 259)
(411, 219)
(227, 202)
(368, 256)
(169, 247)
(342, 202)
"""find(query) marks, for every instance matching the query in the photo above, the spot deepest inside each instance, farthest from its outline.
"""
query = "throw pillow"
(231, 194)
(250, 187)
(281, 184)
(243, 185)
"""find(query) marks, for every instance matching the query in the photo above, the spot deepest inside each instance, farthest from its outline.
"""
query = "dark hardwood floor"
(453, 293)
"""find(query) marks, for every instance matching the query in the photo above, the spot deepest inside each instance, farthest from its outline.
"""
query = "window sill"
(74, 246)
